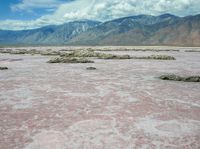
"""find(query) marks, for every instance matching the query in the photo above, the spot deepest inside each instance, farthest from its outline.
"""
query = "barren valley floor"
(120, 105)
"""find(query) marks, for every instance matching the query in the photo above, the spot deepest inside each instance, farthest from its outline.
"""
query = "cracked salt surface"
(170, 128)
(94, 133)
(25, 98)
(48, 140)
(122, 104)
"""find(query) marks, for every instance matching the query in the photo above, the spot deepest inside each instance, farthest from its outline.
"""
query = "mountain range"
(165, 29)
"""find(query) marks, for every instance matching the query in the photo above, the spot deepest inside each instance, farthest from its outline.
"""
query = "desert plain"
(122, 104)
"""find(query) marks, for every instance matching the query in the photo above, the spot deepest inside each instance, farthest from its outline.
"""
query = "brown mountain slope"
(172, 31)
(185, 33)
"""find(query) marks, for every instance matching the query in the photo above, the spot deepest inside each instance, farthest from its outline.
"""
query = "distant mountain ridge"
(48, 35)
(165, 29)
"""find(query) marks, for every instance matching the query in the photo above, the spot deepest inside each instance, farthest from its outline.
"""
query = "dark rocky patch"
(174, 77)
(3, 68)
(91, 68)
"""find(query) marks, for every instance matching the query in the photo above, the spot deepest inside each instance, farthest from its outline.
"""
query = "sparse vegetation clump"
(3, 51)
(112, 56)
(18, 52)
(142, 50)
(79, 56)
(3, 68)
(33, 52)
(192, 50)
(91, 53)
(15, 51)
(91, 68)
(99, 55)
(50, 53)
(157, 57)
(66, 50)
(70, 60)
(81, 53)
(47, 52)
(174, 77)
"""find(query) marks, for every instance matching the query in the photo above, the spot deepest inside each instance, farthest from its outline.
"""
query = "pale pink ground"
(121, 105)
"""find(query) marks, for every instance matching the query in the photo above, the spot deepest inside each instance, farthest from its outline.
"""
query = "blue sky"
(28, 14)
(27, 9)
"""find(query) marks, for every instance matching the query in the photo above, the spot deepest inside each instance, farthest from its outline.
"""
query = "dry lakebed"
(108, 103)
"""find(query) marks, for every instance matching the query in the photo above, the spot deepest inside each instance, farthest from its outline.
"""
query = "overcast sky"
(28, 14)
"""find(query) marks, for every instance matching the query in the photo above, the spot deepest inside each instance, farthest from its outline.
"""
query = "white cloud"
(32, 4)
(102, 10)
